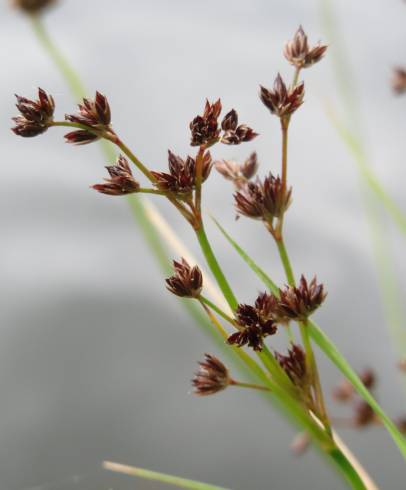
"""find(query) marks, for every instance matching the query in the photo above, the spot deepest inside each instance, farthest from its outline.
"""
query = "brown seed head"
(263, 200)
(182, 173)
(121, 180)
(32, 6)
(93, 113)
(297, 303)
(254, 323)
(204, 129)
(363, 414)
(211, 377)
(187, 281)
(298, 53)
(282, 101)
(399, 80)
(36, 115)
(294, 365)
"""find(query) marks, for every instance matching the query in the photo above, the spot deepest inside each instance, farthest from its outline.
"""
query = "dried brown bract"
(254, 323)
(298, 302)
(205, 129)
(263, 200)
(239, 174)
(121, 180)
(36, 115)
(298, 53)
(399, 80)
(181, 178)
(280, 100)
(187, 281)
(211, 377)
(235, 134)
(93, 113)
(294, 364)
(32, 6)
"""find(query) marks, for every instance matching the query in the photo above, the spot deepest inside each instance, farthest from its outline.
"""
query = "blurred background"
(95, 355)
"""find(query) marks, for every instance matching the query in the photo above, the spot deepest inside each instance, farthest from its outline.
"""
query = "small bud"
(187, 281)
(254, 323)
(399, 80)
(298, 302)
(32, 6)
(294, 365)
(211, 377)
(282, 101)
(363, 414)
(182, 173)
(36, 115)
(93, 113)
(121, 180)
(204, 129)
(298, 53)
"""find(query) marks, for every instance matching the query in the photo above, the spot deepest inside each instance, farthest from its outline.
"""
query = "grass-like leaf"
(329, 349)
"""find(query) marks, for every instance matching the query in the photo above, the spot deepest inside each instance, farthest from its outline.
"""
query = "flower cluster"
(211, 377)
(181, 178)
(36, 115)
(254, 323)
(32, 6)
(294, 364)
(187, 281)
(205, 129)
(238, 173)
(281, 100)
(121, 180)
(298, 53)
(92, 113)
(264, 200)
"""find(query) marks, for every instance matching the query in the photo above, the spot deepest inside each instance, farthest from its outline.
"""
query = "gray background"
(95, 355)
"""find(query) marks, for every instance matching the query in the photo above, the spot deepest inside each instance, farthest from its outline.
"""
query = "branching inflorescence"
(292, 377)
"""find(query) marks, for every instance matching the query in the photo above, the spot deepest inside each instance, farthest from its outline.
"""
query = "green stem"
(218, 310)
(215, 268)
(286, 262)
(249, 385)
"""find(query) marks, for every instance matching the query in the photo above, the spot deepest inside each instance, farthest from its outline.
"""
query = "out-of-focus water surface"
(95, 355)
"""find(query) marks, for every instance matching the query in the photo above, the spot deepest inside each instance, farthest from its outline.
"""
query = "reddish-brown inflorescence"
(294, 364)
(36, 115)
(281, 100)
(32, 6)
(254, 323)
(205, 129)
(235, 134)
(399, 80)
(239, 174)
(211, 377)
(181, 178)
(298, 302)
(92, 113)
(298, 53)
(187, 281)
(264, 200)
(121, 180)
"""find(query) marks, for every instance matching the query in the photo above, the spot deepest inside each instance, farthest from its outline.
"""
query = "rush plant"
(290, 380)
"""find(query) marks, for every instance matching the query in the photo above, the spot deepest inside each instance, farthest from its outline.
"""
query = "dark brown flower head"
(363, 414)
(294, 364)
(399, 80)
(239, 174)
(263, 200)
(93, 113)
(282, 101)
(205, 129)
(182, 173)
(32, 6)
(235, 134)
(298, 53)
(36, 115)
(121, 180)
(211, 377)
(254, 323)
(297, 303)
(187, 281)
